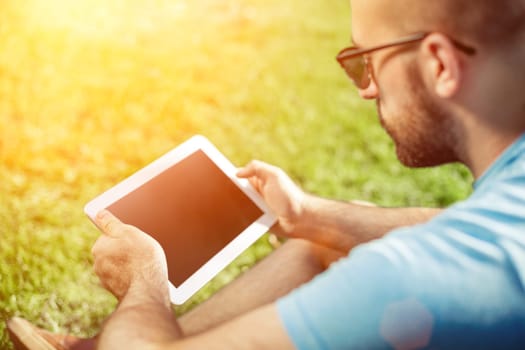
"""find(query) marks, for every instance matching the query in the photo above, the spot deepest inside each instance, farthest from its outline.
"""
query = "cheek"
(400, 114)
(391, 105)
(396, 95)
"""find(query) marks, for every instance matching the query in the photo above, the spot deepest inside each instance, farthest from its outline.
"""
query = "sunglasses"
(356, 64)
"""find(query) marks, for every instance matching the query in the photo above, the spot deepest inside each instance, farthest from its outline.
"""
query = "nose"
(371, 92)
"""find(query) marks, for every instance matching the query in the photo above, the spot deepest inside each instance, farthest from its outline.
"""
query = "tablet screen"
(192, 209)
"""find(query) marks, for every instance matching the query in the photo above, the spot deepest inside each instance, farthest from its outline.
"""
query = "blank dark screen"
(192, 209)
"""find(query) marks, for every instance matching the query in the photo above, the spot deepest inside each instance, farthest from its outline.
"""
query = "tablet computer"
(192, 203)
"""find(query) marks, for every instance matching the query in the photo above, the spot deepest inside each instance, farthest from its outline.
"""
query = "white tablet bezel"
(219, 261)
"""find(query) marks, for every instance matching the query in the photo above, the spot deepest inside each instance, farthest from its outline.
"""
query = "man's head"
(433, 95)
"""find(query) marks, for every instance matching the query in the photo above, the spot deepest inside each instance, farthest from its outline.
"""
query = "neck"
(482, 146)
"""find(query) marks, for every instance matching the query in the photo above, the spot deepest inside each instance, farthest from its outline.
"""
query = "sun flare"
(99, 17)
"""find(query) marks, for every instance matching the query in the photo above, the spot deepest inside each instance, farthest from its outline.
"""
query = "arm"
(338, 225)
(258, 329)
(262, 284)
(147, 327)
(343, 225)
(132, 266)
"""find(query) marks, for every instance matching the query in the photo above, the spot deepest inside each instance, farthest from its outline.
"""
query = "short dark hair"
(482, 21)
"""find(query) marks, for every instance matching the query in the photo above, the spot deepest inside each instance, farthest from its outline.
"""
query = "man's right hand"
(281, 194)
(129, 260)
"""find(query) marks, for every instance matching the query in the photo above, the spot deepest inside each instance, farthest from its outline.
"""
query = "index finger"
(108, 223)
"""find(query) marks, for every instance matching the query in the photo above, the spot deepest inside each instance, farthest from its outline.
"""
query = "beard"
(423, 132)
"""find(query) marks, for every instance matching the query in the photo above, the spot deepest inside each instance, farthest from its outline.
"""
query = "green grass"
(91, 93)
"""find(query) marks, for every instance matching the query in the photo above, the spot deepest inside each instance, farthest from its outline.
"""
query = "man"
(448, 78)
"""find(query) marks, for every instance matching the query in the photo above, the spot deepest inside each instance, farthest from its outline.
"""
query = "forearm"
(258, 329)
(141, 321)
(143, 317)
(262, 284)
(343, 225)
(132, 266)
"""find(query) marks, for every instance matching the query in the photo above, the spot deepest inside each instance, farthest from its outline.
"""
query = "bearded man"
(447, 77)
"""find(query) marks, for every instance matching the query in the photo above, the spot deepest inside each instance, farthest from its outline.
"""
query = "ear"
(441, 65)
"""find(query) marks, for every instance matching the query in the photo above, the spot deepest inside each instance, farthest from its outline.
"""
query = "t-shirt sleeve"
(343, 308)
(424, 287)
(456, 282)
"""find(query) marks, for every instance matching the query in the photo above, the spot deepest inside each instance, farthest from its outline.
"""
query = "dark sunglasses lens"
(355, 68)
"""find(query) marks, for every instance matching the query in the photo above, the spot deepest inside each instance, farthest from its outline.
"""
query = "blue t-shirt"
(456, 282)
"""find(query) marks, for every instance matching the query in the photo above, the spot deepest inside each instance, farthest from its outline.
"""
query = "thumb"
(258, 169)
(245, 172)
(108, 223)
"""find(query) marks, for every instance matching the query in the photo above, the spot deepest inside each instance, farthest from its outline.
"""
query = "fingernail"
(102, 214)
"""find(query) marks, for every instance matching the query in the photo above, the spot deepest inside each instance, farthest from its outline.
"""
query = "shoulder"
(462, 272)
(457, 281)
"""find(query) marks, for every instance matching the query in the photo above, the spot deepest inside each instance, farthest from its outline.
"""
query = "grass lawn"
(90, 91)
